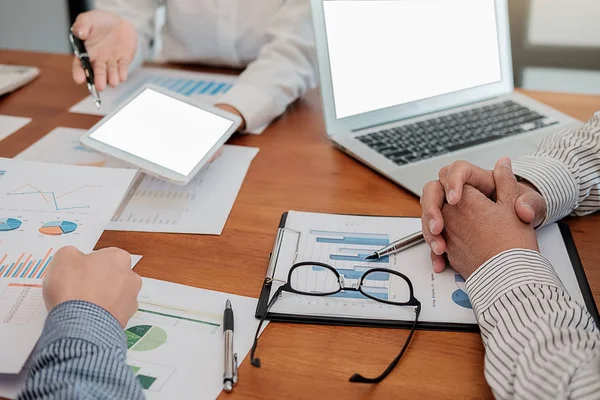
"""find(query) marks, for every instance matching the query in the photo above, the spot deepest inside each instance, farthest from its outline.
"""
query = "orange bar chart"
(25, 266)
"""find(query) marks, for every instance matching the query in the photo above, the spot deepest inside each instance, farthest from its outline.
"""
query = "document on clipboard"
(344, 241)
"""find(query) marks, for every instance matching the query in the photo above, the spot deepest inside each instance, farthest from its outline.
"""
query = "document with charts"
(343, 241)
(44, 207)
(153, 205)
(175, 340)
(206, 87)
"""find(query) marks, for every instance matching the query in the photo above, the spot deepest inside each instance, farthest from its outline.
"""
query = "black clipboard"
(265, 294)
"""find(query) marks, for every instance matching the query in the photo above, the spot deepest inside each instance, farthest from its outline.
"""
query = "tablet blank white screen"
(164, 131)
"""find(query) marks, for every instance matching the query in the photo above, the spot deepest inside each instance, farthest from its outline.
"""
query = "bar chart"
(205, 85)
(347, 252)
(24, 266)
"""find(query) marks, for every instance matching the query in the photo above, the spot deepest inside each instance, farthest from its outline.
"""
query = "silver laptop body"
(409, 86)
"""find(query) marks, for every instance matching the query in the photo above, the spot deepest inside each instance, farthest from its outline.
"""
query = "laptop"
(409, 86)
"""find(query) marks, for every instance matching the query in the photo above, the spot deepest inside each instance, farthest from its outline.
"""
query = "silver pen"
(231, 368)
(398, 246)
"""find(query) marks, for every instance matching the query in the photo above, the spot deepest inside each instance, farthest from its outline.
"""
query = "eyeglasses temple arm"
(256, 361)
(358, 378)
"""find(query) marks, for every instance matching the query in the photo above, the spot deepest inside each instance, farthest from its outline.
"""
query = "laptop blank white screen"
(387, 53)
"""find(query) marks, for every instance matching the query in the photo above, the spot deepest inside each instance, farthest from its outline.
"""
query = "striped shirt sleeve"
(566, 171)
(81, 354)
(540, 343)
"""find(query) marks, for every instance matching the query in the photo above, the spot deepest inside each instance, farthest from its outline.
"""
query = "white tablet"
(163, 134)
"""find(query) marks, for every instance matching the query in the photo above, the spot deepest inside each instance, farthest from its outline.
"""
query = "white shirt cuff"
(255, 106)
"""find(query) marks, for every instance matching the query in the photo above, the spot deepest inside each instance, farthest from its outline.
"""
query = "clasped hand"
(471, 214)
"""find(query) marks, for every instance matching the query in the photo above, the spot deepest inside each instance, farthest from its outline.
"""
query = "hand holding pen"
(110, 43)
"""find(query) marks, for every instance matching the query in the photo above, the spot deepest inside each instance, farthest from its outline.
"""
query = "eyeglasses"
(318, 279)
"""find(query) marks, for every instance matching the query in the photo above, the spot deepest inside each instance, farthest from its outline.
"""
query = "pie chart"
(57, 228)
(9, 224)
(145, 337)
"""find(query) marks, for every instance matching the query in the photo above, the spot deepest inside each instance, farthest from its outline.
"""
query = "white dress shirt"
(272, 39)
(540, 343)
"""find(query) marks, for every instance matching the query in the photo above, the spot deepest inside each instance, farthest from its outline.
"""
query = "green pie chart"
(145, 337)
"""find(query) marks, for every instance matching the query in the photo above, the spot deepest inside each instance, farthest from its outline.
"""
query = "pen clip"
(235, 369)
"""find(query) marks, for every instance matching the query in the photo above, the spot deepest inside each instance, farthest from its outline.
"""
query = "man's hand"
(477, 229)
(529, 206)
(111, 42)
(103, 278)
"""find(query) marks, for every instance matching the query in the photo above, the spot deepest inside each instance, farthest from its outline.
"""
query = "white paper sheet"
(197, 85)
(11, 384)
(175, 341)
(344, 241)
(183, 353)
(134, 260)
(44, 207)
(10, 124)
(153, 205)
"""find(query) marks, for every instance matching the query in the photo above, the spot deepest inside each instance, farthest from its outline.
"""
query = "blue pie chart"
(9, 224)
(57, 228)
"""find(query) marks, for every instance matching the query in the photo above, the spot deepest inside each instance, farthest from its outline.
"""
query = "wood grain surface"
(297, 168)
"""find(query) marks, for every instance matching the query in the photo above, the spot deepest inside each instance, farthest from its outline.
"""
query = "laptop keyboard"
(419, 141)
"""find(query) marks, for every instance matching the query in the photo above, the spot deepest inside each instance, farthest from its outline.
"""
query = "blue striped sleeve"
(81, 354)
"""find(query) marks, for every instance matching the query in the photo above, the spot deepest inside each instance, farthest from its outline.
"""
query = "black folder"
(265, 295)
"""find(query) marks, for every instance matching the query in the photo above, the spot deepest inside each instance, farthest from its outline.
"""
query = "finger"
(432, 202)
(531, 208)
(507, 189)
(438, 262)
(113, 73)
(100, 75)
(82, 26)
(462, 173)
(435, 242)
(123, 70)
(78, 74)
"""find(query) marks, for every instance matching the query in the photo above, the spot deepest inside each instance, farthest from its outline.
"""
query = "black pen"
(81, 52)
(230, 374)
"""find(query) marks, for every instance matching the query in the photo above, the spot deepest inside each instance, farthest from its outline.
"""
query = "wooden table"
(296, 169)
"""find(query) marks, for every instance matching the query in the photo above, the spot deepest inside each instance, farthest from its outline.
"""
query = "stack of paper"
(44, 207)
(153, 205)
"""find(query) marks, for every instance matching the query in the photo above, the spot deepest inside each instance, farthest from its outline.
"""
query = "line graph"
(49, 196)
